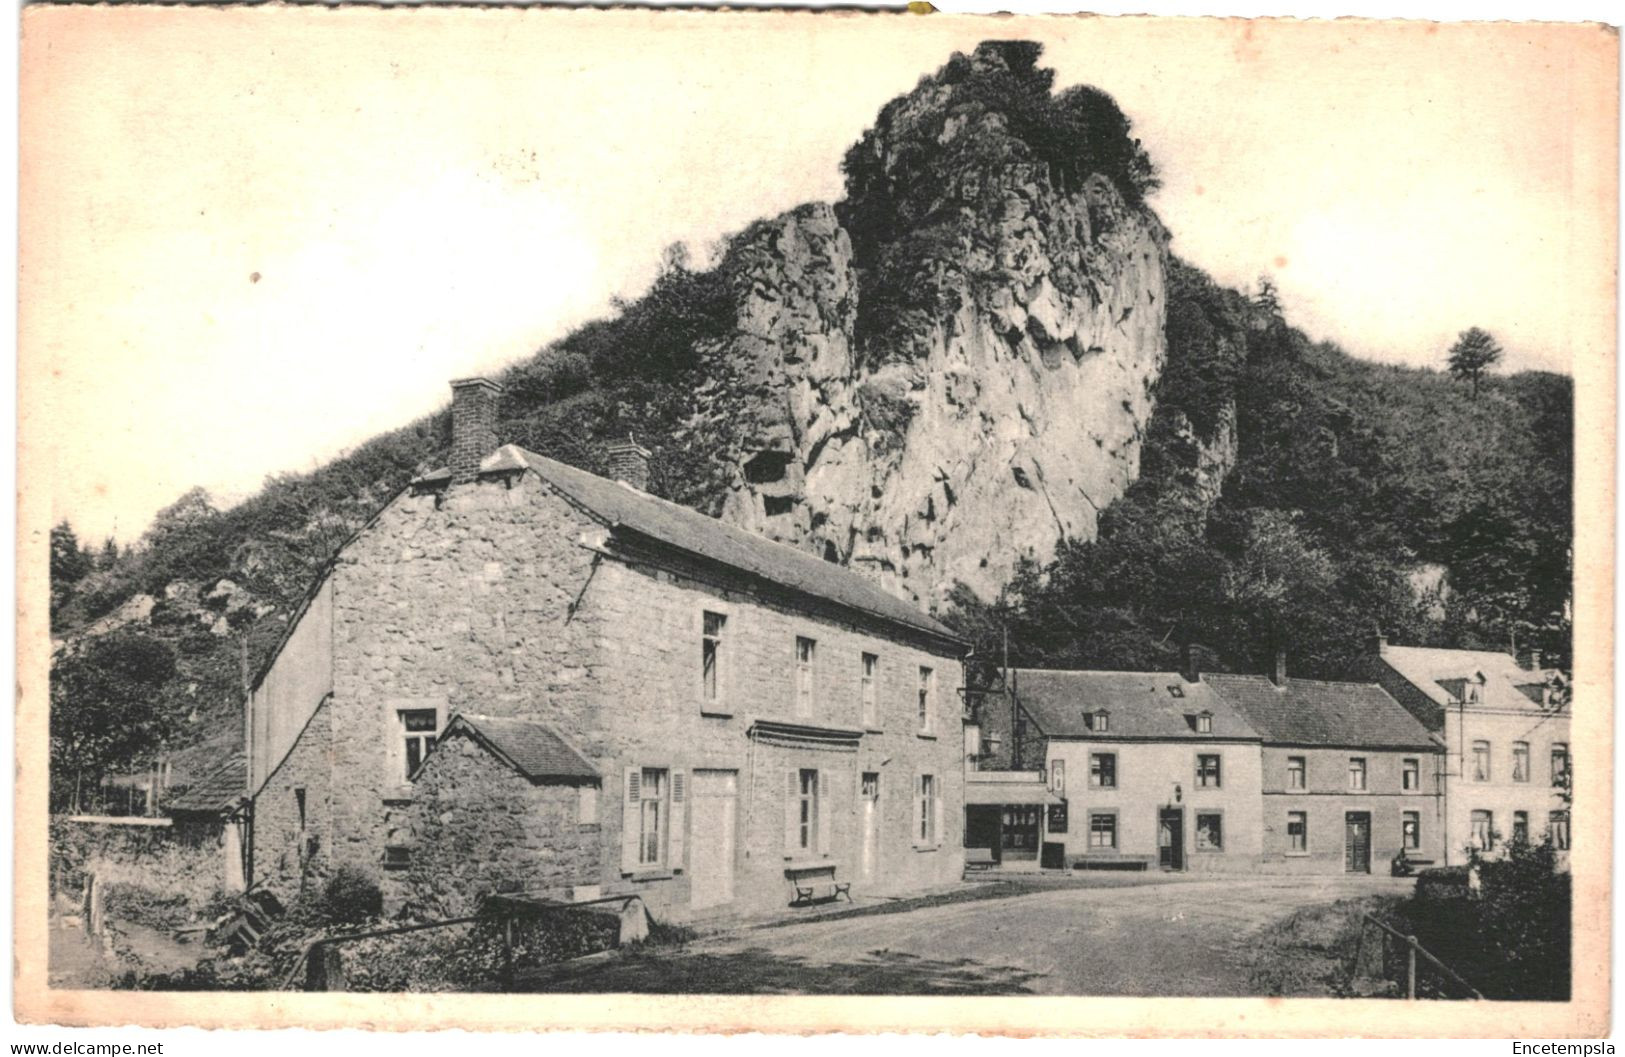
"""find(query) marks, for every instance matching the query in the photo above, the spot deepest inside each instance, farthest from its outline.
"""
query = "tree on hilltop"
(1474, 352)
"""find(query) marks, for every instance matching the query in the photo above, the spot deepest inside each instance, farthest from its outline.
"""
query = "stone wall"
(480, 827)
(291, 856)
(184, 860)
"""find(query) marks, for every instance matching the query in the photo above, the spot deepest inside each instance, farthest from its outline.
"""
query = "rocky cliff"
(953, 368)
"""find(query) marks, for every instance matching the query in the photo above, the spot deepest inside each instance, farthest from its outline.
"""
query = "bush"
(350, 897)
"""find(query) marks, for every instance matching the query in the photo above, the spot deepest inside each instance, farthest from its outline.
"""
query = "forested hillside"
(1288, 494)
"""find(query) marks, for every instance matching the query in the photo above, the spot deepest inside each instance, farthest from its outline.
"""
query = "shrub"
(350, 897)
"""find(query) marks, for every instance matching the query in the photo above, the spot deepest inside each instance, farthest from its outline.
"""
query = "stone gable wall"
(280, 857)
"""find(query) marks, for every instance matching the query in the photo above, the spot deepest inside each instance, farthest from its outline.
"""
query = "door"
(1171, 838)
(713, 799)
(871, 824)
(1018, 836)
(1357, 842)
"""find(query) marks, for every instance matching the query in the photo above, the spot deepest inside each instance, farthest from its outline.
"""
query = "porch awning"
(978, 794)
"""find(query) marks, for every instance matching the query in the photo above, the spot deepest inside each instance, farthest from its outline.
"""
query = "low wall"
(180, 859)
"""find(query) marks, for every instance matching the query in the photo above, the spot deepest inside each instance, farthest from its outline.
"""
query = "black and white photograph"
(564, 503)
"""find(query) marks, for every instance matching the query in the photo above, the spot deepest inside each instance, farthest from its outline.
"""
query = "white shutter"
(826, 812)
(679, 813)
(936, 814)
(918, 812)
(792, 814)
(631, 820)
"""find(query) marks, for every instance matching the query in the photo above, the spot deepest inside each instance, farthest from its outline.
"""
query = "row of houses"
(520, 676)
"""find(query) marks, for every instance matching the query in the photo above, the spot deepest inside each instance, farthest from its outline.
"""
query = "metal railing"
(1413, 951)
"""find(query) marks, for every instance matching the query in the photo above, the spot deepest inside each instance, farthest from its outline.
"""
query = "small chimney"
(629, 463)
(1377, 644)
(1189, 666)
(473, 426)
(1534, 660)
(1280, 668)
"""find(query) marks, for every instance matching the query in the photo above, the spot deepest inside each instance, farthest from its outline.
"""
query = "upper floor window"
(805, 650)
(1560, 763)
(1410, 774)
(927, 703)
(711, 656)
(1297, 772)
(1207, 771)
(1481, 761)
(1357, 773)
(1103, 770)
(419, 729)
(1520, 761)
(869, 693)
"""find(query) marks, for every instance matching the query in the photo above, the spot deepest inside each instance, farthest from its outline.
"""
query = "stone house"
(736, 713)
(1505, 732)
(1155, 768)
(1349, 777)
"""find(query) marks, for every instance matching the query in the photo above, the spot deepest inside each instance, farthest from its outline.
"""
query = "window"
(1560, 763)
(1483, 830)
(1209, 832)
(1103, 770)
(418, 729)
(1520, 827)
(652, 813)
(807, 811)
(1410, 830)
(1520, 761)
(871, 674)
(927, 814)
(1207, 771)
(1098, 721)
(1297, 770)
(1357, 774)
(586, 804)
(1204, 723)
(1481, 761)
(1102, 830)
(1557, 827)
(804, 675)
(1297, 831)
(1410, 774)
(928, 693)
(711, 656)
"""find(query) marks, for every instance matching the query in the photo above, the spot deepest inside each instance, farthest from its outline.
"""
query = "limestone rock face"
(950, 370)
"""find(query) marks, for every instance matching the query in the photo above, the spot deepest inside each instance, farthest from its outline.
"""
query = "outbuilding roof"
(1138, 705)
(1312, 712)
(533, 749)
(217, 791)
(624, 508)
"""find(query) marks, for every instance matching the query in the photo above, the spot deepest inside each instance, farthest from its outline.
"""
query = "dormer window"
(1201, 722)
(1098, 721)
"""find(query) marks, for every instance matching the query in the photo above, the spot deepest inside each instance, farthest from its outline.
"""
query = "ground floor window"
(1019, 828)
(1483, 830)
(1410, 827)
(926, 817)
(1297, 831)
(1102, 831)
(1520, 827)
(652, 813)
(1557, 824)
(1209, 832)
(807, 810)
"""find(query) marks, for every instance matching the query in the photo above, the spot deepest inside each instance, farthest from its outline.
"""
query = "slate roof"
(533, 749)
(216, 792)
(1140, 704)
(1312, 712)
(1441, 674)
(626, 508)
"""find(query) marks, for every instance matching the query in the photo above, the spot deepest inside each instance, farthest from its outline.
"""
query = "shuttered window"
(652, 823)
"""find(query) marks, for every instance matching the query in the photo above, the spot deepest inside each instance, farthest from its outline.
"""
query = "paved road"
(1187, 937)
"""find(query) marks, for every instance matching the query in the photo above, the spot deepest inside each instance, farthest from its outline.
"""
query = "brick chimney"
(1534, 660)
(629, 463)
(473, 426)
(1190, 665)
(1377, 644)
(1280, 668)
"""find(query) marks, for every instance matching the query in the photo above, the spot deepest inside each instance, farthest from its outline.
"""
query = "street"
(1160, 937)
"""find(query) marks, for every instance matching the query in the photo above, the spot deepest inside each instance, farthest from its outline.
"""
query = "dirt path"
(1188, 938)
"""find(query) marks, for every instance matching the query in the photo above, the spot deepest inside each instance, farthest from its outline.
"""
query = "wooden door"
(1171, 838)
(713, 796)
(1357, 842)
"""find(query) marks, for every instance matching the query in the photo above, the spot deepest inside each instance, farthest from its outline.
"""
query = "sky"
(252, 238)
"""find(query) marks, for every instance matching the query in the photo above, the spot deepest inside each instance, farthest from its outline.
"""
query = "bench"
(1111, 862)
(814, 882)
(1405, 866)
(979, 859)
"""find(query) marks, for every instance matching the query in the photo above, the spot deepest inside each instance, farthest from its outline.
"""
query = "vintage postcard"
(897, 521)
